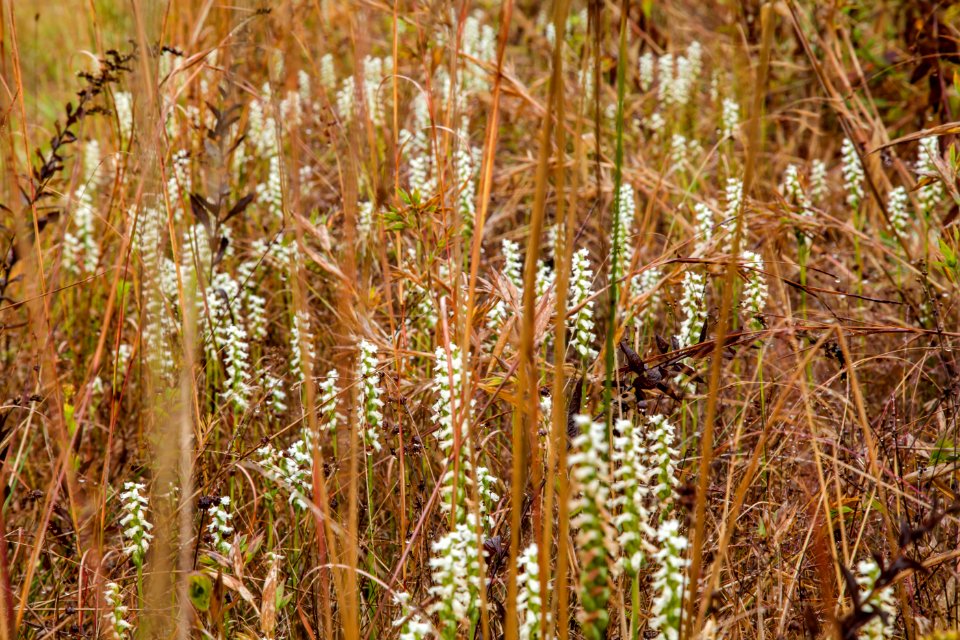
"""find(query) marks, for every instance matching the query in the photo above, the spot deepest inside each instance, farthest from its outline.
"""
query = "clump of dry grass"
(483, 321)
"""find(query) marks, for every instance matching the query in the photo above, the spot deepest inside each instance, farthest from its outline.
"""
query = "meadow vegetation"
(452, 319)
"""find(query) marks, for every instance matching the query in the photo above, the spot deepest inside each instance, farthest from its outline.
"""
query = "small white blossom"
(301, 343)
(897, 202)
(646, 70)
(529, 598)
(852, 174)
(581, 324)
(219, 527)
(929, 195)
(668, 580)
(370, 402)
(411, 623)
(818, 180)
(730, 117)
(693, 307)
(875, 599)
(123, 103)
(136, 527)
(455, 570)
(116, 614)
(754, 299)
(329, 417)
(595, 538)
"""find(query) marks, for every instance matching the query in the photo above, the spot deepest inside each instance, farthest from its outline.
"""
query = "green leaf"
(200, 590)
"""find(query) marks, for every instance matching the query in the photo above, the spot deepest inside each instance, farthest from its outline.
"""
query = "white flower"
(703, 220)
(116, 614)
(875, 599)
(754, 299)
(262, 127)
(420, 149)
(668, 580)
(646, 69)
(230, 341)
(818, 180)
(480, 42)
(219, 527)
(346, 99)
(123, 103)
(329, 417)
(793, 191)
(897, 202)
(455, 570)
(655, 123)
(293, 468)
(271, 193)
(632, 477)
(679, 76)
(730, 117)
(931, 194)
(529, 598)
(412, 625)
(852, 174)
(301, 343)
(643, 283)
(679, 151)
(370, 402)
(624, 212)
(276, 397)
(661, 444)
(328, 77)
(364, 220)
(545, 278)
(453, 418)
(595, 538)
(303, 87)
(693, 307)
(373, 74)
(254, 305)
(467, 186)
(512, 265)
(581, 324)
(136, 527)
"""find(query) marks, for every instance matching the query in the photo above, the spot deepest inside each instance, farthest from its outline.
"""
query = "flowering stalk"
(852, 174)
(818, 180)
(663, 455)
(455, 572)
(668, 579)
(329, 416)
(879, 600)
(581, 324)
(754, 299)
(730, 117)
(693, 308)
(116, 614)
(897, 206)
(931, 194)
(219, 527)
(703, 223)
(301, 343)
(136, 527)
(412, 626)
(370, 402)
(452, 429)
(595, 538)
(632, 488)
(529, 600)
(466, 174)
(123, 105)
